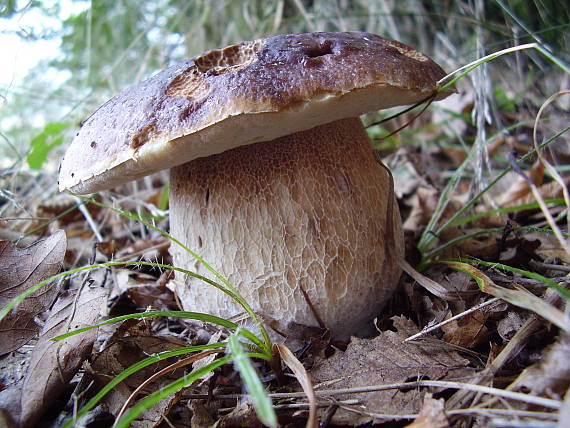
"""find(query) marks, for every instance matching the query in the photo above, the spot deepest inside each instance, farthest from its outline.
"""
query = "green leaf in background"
(45, 142)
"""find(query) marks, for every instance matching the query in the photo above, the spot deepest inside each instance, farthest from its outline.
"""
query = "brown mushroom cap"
(242, 94)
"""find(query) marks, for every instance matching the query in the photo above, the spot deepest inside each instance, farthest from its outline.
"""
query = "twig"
(306, 405)
(453, 318)
(539, 401)
(506, 412)
(552, 266)
(468, 411)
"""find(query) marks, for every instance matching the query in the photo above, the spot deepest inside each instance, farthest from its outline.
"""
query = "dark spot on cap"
(72, 174)
(143, 136)
(322, 49)
(93, 144)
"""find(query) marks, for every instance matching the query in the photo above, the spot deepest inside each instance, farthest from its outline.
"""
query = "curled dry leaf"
(382, 360)
(509, 325)
(53, 364)
(468, 331)
(20, 269)
(143, 290)
(423, 204)
(304, 379)
(429, 284)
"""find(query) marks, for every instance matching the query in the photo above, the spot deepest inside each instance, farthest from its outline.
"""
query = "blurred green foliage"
(45, 142)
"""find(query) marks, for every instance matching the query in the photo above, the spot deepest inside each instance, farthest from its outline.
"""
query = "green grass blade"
(531, 206)
(261, 401)
(133, 369)
(504, 210)
(174, 314)
(546, 281)
(541, 230)
(452, 242)
(468, 68)
(146, 403)
(430, 235)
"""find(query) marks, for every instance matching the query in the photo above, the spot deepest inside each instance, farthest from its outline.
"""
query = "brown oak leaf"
(20, 269)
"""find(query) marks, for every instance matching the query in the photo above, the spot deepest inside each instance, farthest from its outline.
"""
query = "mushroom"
(273, 178)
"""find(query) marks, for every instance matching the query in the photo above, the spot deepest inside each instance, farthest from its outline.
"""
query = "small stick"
(453, 318)
(496, 392)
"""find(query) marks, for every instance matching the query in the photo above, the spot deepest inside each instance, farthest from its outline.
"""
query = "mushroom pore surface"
(313, 210)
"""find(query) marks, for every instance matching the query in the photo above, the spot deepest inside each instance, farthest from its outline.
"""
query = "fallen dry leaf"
(550, 247)
(10, 406)
(383, 360)
(423, 203)
(304, 379)
(432, 414)
(550, 376)
(468, 331)
(509, 325)
(20, 269)
(242, 416)
(429, 284)
(53, 364)
(201, 418)
(143, 290)
(518, 188)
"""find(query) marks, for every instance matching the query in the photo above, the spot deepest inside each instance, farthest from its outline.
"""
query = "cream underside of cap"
(232, 132)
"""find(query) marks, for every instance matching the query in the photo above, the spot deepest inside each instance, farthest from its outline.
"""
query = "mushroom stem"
(313, 210)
